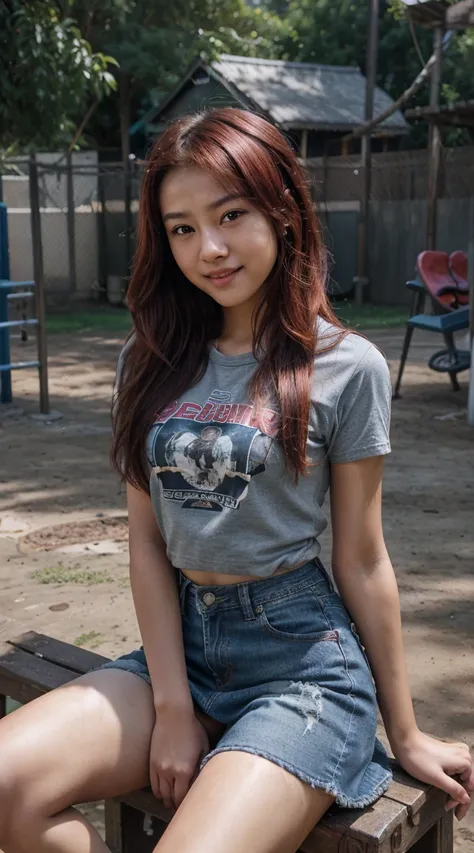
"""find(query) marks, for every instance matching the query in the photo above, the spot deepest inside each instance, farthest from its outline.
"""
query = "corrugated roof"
(302, 94)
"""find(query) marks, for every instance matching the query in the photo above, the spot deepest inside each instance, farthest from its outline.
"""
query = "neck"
(237, 329)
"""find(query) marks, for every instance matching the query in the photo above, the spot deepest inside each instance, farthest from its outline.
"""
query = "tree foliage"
(48, 74)
(54, 56)
(154, 42)
(335, 32)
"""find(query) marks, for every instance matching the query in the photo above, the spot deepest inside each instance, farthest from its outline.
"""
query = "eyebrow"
(182, 214)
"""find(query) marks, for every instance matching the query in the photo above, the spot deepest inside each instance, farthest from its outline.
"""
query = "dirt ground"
(71, 582)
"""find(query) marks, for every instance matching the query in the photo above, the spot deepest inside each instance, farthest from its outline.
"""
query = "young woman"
(240, 400)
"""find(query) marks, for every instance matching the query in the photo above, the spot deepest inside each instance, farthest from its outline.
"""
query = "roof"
(303, 95)
(293, 95)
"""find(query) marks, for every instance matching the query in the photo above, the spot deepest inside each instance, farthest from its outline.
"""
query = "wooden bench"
(410, 816)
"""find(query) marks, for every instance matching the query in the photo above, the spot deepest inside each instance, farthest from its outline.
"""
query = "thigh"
(88, 740)
(242, 802)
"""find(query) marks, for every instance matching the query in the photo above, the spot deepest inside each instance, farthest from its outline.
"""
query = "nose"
(213, 246)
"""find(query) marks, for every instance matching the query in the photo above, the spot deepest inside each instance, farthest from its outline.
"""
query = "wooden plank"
(113, 825)
(445, 828)
(25, 677)
(411, 798)
(323, 839)
(406, 835)
(439, 839)
(377, 822)
(408, 791)
(141, 832)
(146, 801)
(57, 652)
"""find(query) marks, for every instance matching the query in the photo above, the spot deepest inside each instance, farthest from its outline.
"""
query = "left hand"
(436, 762)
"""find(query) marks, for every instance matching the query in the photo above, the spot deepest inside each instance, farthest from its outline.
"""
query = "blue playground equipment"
(449, 298)
(11, 291)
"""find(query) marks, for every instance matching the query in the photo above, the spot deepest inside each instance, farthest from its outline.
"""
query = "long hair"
(174, 321)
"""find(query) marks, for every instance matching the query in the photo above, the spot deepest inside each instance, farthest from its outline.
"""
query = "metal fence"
(87, 216)
(86, 224)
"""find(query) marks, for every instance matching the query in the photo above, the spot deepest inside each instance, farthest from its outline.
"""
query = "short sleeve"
(362, 417)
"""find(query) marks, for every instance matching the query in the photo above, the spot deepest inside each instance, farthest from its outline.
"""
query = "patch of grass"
(99, 319)
(370, 316)
(60, 574)
(92, 639)
(105, 319)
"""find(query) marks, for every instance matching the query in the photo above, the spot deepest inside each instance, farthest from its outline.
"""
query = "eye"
(180, 233)
(234, 214)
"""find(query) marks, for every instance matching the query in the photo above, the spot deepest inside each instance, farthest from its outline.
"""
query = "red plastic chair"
(458, 268)
(445, 293)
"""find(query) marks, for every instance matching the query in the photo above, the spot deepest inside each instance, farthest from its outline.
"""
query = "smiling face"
(219, 240)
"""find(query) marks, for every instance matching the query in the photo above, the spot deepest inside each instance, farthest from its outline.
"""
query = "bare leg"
(242, 803)
(83, 742)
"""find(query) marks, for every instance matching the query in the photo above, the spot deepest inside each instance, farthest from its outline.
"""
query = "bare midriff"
(218, 579)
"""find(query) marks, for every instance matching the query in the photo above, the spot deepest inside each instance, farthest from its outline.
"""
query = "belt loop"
(184, 582)
(245, 602)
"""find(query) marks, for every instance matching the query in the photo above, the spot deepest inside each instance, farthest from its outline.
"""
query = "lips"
(223, 274)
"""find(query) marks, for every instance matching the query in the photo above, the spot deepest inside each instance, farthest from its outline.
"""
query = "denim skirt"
(278, 662)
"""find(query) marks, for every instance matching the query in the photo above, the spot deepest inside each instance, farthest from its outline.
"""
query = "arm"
(366, 580)
(179, 740)
(155, 595)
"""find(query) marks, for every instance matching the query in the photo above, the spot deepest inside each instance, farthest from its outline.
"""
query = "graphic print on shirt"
(205, 455)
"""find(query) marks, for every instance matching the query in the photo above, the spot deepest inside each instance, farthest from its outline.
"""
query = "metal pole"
(39, 279)
(362, 278)
(102, 239)
(6, 395)
(304, 145)
(71, 224)
(434, 142)
(128, 216)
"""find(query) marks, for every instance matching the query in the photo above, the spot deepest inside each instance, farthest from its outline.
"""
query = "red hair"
(174, 321)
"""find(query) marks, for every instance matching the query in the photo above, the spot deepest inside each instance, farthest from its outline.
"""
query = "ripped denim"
(278, 662)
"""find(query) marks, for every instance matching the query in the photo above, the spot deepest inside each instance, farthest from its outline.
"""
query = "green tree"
(49, 76)
(155, 41)
(335, 32)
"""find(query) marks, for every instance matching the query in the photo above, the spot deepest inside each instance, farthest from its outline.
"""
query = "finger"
(155, 784)
(166, 793)
(181, 788)
(467, 778)
(454, 789)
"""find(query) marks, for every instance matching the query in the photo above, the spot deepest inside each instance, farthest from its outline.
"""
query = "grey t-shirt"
(222, 498)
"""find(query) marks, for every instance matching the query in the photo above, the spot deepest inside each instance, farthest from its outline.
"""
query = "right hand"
(179, 742)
